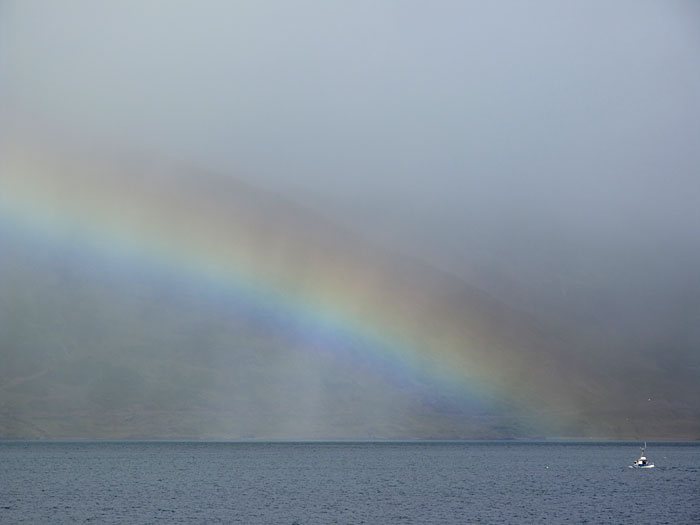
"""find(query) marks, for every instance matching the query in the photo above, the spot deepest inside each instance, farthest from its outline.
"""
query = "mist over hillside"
(125, 315)
(362, 219)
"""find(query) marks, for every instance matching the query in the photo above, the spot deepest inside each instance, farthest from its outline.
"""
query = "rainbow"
(210, 230)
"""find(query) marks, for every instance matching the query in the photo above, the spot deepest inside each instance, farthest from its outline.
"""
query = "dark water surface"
(323, 483)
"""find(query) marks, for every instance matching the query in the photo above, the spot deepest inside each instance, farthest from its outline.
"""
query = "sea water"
(353, 483)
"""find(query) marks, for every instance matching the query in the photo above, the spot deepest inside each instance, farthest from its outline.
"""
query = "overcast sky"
(447, 126)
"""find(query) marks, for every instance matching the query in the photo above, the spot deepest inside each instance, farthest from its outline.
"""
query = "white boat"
(642, 462)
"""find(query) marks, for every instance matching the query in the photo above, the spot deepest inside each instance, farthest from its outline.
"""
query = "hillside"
(140, 299)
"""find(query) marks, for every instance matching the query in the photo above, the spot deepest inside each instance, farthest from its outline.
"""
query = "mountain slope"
(144, 300)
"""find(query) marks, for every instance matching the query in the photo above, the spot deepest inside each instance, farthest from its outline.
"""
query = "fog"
(547, 153)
